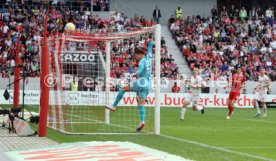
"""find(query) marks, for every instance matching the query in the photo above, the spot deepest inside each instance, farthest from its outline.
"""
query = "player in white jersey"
(261, 93)
(194, 94)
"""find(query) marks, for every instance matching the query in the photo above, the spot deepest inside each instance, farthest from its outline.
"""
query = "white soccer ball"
(70, 27)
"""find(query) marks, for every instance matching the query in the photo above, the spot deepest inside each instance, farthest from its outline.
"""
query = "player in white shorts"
(261, 93)
(194, 94)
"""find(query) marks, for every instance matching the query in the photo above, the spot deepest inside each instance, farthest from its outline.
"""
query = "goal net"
(85, 74)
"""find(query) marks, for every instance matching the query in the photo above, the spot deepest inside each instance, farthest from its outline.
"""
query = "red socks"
(230, 110)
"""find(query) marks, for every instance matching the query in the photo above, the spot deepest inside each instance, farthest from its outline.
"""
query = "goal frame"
(44, 103)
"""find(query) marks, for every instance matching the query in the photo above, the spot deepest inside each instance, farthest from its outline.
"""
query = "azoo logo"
(70, 57)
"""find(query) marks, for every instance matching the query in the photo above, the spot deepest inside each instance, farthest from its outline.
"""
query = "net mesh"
(79, 89)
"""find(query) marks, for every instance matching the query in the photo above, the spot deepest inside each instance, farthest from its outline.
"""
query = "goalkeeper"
(141, 85)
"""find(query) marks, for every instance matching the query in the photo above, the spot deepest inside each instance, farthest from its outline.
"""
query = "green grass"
(243, 133)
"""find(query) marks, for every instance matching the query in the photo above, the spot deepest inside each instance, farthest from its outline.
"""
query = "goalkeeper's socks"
(182, 113)
(118, 98)
(257, 107)
(142, 113)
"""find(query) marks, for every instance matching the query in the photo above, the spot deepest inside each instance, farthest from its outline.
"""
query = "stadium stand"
(30, 17)
(217, 44)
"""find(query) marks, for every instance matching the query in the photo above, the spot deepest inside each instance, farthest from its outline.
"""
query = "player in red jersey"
(238, 82)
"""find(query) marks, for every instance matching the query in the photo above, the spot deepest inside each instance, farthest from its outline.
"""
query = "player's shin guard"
(142, 113)
(118, 98)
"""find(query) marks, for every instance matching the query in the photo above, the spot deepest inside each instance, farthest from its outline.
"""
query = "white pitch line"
(236, 147)
(218, 148)
(258, 120)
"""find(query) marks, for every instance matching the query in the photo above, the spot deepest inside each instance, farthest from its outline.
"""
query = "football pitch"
(201, 137)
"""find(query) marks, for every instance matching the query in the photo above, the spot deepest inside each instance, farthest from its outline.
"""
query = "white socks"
(257, 107)
(199, 108)
(265, 110)
(182, 113)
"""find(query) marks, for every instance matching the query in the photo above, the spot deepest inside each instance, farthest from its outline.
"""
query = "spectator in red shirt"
(175, 88)
(121, 61)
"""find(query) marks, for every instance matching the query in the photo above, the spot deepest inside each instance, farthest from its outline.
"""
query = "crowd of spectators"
(101, 5)
(30, 20)
(216, 44)
(123, 61)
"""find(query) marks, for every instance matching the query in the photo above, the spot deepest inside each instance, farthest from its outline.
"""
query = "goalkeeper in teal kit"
(142, 83)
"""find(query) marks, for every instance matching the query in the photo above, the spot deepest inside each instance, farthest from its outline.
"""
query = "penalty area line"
(217, 148)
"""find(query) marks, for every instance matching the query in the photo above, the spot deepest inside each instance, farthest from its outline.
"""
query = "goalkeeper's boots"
(141, 126)
(110, 107)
